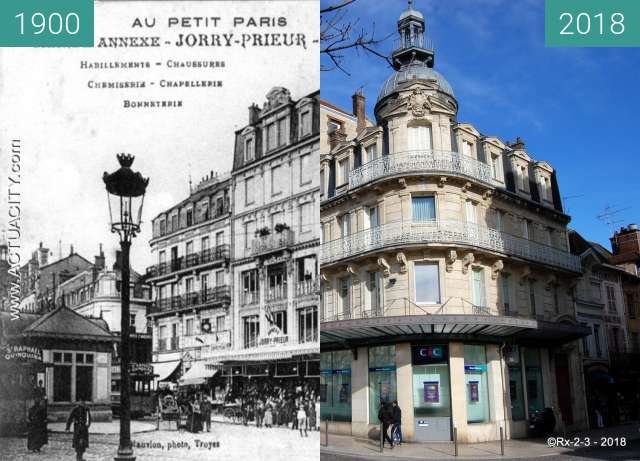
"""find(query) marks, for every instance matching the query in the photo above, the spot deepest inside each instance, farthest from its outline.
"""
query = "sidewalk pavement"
(518, 448)
(112, 427)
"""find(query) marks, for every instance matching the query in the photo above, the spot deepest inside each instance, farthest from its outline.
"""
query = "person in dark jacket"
(385, 415)
(397, 421)
(205, 408)
(37, 435)
(80, 416)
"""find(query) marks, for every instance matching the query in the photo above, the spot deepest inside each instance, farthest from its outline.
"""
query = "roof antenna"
(190, 183)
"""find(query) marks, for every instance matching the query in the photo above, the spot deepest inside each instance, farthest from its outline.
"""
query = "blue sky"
(576, 108)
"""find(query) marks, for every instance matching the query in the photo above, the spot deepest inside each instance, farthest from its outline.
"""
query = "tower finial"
(410, 4)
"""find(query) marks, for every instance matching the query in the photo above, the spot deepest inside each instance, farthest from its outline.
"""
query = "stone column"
(404, 379)
(360, 393)
(458, 390)
(497, 390)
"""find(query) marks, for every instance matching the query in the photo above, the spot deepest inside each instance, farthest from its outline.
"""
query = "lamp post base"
(125, 454)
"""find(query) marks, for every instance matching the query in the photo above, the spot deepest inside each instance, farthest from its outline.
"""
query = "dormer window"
(333, 126)
(496, 171)
(282, 132)
(248, 150)
(343, 171)
(271, 136)
(372, 152)
(523, 177)
(305, 122)
(545, 188)
(467, 148)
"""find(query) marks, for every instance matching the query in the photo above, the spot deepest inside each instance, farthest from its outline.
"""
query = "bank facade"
(447, 281)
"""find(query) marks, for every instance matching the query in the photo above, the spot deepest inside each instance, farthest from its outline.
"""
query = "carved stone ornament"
(525, 274)
(324, 277)
(354, 273)
(418, 103)
(467, 261)
(385, 266)
(452, 256)
(496, 268)
(550, 282)
(441, 181)
(402, 259)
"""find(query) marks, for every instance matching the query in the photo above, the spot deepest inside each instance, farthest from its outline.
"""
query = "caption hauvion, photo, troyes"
(313, 229)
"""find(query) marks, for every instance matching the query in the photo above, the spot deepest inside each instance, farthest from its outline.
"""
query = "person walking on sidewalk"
(385, 415)
(80, 416)
(397, 422)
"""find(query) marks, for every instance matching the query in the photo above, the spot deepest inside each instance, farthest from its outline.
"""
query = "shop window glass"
(382, 378)
(61, 383)
(431, 387)
(475, 371)
(335, 386)
(535, 397)
(84, 383)
(516, 393)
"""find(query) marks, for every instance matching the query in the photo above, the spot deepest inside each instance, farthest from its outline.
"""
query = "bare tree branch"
(339, 34)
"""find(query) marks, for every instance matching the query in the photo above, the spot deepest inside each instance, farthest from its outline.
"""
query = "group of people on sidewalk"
(390, 416)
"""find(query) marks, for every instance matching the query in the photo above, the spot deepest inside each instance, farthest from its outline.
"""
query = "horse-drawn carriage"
(168, 410)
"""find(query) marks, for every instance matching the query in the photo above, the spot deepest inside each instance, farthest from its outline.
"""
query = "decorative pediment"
(468, 128)
(544, 166)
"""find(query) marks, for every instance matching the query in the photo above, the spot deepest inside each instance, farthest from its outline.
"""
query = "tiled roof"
(63, 322)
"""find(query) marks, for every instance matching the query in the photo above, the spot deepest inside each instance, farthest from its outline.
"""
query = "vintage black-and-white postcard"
(160, 228)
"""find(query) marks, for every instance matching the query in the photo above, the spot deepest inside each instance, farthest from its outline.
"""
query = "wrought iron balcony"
(210, 255)
(276, 292)
(220, 294)
(308, 287)
(429, 161)
(412, 41)
(401, 234)
(272, 242)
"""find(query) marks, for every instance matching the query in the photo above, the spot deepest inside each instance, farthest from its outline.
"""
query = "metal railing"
(404, 233)
(219, 339)
(308, 287)
(417, 41)
(276, 292)
(209, 296)
(219, 253)
(421, 161)
(400, 307)
(272, 242)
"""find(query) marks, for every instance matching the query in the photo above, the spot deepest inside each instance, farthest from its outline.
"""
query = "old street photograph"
(159, 244)
(479, 260)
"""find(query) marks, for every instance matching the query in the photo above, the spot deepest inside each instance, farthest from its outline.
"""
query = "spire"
(411, 47)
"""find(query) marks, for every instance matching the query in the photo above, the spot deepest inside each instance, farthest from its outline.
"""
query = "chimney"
(359, 110)
(518, 145)
(254, 114)
(625, 243)
(71, 250)
(99, 260)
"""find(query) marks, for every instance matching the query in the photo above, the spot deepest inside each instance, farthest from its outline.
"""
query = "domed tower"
(446, 278)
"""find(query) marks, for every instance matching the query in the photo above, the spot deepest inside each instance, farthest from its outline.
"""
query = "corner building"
(447, 283)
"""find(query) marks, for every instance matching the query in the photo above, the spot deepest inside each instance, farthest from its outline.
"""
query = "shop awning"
(197, 374)
(260, 354)
(163, 370)
(490, 328)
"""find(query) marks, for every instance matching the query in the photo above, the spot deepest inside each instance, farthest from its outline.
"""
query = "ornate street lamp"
(125, 192)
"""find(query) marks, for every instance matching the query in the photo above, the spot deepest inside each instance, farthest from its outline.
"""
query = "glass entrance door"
(431, 393)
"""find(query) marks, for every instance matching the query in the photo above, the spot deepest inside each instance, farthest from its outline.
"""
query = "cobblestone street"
(235, 443)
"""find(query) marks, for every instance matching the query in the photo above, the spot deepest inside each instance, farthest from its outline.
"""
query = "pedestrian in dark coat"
(397, 421)
(37, 435)
(385, 415)
(205, 408)
(80, 416)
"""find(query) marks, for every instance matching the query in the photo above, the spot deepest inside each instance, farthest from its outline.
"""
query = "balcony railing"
(168, 344)
(400, 234)
(194, 299)
(214, 340)
(250, 297)
(308, 287)
(417, 41)
(276, 292)
(272, 242)
(219, 253)
(421, 161)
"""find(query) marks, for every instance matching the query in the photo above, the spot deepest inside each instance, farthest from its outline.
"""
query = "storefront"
(474, 384)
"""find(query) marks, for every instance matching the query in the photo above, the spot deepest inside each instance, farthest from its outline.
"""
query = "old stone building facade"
(190, 315)
(447, 281)
(276, 238)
